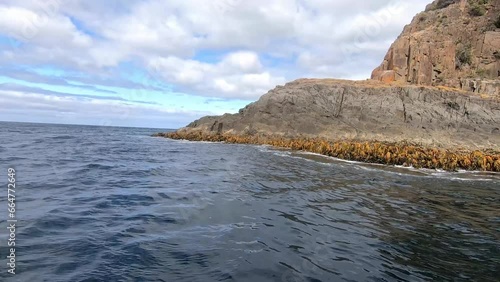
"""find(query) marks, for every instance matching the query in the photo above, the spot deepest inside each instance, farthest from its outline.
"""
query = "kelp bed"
(403, 153)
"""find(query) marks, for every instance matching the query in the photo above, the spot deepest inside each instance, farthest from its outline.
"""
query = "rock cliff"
(453, 43)
(365, 111)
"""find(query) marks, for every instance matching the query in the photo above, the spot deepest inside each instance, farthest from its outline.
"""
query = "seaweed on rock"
(402, 153)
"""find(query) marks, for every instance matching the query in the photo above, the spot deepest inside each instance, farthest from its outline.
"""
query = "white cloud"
(224, 86)
(41, 28)
(246, 62)
(237, 75)
(179, 71)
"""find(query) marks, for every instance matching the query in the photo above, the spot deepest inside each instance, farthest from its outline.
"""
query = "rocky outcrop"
(454, 43)
(366, 111)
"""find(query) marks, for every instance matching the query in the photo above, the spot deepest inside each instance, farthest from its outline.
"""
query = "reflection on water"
(113, 204)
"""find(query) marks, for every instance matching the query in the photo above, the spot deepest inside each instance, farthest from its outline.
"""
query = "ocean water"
(114, 204)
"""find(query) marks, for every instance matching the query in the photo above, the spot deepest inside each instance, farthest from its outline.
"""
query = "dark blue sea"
(114, 204)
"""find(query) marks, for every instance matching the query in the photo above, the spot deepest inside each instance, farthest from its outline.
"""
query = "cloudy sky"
(157, 63)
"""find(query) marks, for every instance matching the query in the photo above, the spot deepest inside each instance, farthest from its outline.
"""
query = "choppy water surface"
(113, 204)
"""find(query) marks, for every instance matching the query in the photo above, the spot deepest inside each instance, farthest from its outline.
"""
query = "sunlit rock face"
(454, 43)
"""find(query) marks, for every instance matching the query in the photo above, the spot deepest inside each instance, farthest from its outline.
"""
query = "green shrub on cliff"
(463, 56)
(497, 22)
(477, 7)
(477, 10)
(444, 3)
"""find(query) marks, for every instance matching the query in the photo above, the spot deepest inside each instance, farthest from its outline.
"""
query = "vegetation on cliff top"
(440, 4)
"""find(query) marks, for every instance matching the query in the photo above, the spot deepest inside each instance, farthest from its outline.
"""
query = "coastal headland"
(420, 108)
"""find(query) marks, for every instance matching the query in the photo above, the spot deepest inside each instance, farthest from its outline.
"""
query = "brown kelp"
(402, 153)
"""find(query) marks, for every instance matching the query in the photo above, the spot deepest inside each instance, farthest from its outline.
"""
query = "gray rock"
(367, 111)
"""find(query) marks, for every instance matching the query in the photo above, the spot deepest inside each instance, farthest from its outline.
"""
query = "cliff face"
(453, 43)
(366, 110)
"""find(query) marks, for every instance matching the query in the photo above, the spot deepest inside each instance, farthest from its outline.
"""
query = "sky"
(163, 64)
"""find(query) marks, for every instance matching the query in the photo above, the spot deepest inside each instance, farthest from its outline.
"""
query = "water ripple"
(113, 204)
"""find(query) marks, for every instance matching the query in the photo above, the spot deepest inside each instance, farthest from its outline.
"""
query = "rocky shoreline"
(400, 153)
